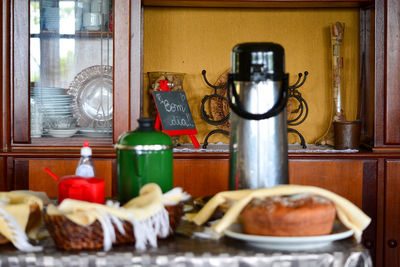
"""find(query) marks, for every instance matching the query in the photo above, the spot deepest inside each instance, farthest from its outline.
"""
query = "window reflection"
(62, 47)
(67, 17)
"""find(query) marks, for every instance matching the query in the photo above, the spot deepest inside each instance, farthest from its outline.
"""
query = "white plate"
(57, 104)
(92, 92)
(57, 109)
(289, 243)
(62, 132)
(54, 96)
(96, 132)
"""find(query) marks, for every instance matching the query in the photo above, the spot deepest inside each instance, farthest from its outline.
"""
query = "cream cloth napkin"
(348, 213)
(16, 219)
(146, 213)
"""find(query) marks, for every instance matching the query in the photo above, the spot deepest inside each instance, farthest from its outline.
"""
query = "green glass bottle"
(143, 156)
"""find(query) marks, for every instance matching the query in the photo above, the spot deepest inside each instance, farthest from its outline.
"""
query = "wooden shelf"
(258, 3)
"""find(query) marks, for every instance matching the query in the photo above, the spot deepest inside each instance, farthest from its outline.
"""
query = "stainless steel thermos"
(257, 93)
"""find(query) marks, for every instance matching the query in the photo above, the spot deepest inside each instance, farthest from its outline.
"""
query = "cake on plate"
(290, 215)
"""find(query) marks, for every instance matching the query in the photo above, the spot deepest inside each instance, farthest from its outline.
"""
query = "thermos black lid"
(146, 124)
(258, 62)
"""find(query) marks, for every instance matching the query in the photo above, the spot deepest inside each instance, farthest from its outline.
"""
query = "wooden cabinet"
(370, 179)
(353, 179)
(386, 91)
(3, 174)
(392, 72)
(30, 174)
(105, 108)
(391, 238)
(201, 177)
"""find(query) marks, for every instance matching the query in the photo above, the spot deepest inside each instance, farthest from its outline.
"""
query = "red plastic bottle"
(86, 189)
(84, 185)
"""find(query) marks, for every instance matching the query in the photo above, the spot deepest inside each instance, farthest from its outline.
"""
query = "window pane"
(71, 52)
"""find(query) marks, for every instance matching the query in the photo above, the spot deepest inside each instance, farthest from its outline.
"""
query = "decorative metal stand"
(206, 116)
(301, 110)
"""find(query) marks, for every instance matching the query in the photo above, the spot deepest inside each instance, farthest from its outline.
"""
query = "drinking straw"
(51, 174)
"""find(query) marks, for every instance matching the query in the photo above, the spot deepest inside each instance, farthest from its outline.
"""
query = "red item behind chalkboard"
(164, 87)
(80, 188)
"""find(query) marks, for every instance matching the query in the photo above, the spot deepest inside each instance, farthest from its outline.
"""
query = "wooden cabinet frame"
(126, 109)
(379, 60)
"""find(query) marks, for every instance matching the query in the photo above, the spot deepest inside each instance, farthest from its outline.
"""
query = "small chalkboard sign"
(175, 115)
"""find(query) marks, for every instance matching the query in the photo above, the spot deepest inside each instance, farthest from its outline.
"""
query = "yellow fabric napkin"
(16, 218)
(146, 212)
(148, 203)
(348, 213)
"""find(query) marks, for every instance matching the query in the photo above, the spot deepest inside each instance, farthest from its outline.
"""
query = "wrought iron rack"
(293, 92)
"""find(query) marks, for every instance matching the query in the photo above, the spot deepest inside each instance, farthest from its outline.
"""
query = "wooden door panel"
(121, 24)
(355, 180)
(3, 174)
(30, 174)
(20, 46)
(201, 177)
(392, 214)
(392, 111)
(344, 178)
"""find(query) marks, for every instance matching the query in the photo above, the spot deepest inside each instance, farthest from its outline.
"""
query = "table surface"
(182, 250)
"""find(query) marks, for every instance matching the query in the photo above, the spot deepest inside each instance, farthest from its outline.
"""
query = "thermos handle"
(275, 110)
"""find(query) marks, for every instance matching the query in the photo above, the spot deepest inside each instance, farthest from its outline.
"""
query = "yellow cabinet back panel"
(192, 39)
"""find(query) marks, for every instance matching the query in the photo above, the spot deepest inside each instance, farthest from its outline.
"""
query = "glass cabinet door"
(70, 71)
(71, 68)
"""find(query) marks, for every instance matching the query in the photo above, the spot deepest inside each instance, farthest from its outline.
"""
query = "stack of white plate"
(54, 102)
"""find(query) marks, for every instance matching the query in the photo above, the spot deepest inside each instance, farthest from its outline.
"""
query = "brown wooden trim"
(392, 115)
(3, 14)
(3, 174)
(258, 3)
(379, 72)
(5, 74)
(369, 195)
(387, 149)
(56, 154)
(111, 153)
(380, 212)
(121, 24)
(74, 141)
(367, 61)
(21, 174)
(20, 72)
(136, 63)
(391, 249)
(10, 174)
(201, 155)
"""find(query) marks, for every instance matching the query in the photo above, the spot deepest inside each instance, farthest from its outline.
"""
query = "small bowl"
(62, 133)
(62, 123)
